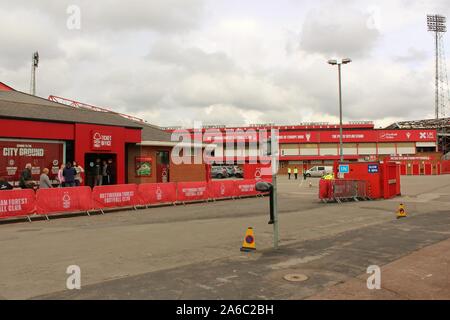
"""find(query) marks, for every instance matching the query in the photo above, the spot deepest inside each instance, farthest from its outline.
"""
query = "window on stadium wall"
(16, 154)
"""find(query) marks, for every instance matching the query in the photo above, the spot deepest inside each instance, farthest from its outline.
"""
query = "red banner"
(192, 191)
(15, 203)
(63, 200)
(222, 189)
(425, 135)
(258, 171)
(151, 193)
(15, 154)
(124, 195)
(246, 188)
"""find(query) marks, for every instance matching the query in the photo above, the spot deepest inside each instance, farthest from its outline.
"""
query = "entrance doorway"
(95, 171)
(162, 166)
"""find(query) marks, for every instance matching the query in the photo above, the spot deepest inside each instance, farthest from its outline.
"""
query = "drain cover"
(295, 277)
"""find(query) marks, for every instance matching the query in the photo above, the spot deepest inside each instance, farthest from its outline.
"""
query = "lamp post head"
(333, 62)
(346, 60)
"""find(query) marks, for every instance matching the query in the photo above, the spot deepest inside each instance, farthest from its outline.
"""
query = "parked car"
(219, 172)
(230, 171)
(318, 171)
(238, 172)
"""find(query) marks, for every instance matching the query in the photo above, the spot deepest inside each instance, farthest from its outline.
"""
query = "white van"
(319, 171)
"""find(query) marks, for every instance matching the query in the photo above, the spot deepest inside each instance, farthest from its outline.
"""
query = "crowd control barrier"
(192, 191)
(60, 200)
(246, 188)
(15, 203)
(341, 190)
(157, 193)
(24, 203)
(123, 195)
(222, 189)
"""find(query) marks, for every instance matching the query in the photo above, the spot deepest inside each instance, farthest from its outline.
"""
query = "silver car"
(318, 171)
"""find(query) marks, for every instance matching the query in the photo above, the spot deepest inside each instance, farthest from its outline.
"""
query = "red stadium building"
(312, 144)
(47, 134)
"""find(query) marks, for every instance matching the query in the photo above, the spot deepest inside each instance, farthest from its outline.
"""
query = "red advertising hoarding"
(15, 154)
(359, 136)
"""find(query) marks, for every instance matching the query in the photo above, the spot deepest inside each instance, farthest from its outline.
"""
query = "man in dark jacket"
(69, 173)
(26, 177)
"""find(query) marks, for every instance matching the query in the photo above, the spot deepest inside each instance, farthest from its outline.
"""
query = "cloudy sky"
(173, 62)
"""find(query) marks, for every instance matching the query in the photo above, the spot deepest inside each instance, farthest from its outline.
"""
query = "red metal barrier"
(337, 190)
(325, 189)
(16, 203)
(192, 191)
(124, 195)
(222, 189)
(245, 188)
(77, 199)
(153, 193)
(445, 166)
(63, 200)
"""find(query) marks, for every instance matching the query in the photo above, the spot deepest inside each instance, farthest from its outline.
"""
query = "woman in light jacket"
(80, 170)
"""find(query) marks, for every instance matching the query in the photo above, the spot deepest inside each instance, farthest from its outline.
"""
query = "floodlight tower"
(34, 65)
(436, 24)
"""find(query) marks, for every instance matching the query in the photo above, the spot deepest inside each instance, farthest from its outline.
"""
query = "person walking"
(69, 173)
(79, 170)
(105, 176)
(296, 173)
(289, 173)
(60, 176)
(44, 181)
(25, 177)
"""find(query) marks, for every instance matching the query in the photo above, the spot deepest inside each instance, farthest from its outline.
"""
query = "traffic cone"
(249, 241)
(401, 212)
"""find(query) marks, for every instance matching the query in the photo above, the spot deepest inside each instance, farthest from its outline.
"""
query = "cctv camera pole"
(274, 162)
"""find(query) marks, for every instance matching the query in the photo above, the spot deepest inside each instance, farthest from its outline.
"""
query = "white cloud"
(173, 62)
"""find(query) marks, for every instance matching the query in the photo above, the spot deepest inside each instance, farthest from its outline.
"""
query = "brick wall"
(177, 173)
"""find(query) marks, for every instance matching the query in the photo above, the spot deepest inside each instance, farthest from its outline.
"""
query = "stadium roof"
(422, 124)
(19, 105)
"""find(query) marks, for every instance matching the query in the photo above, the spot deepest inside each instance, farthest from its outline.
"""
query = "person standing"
(296, 173)
(69, 173)
(61, 176)
(25, 177)
(79, 170)
(105, 176)
(5, 185)
(98, 173)
(289, 173)
(44, 181)
(111, 172)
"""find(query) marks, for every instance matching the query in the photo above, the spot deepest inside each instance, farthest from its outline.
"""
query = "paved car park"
(130, 253)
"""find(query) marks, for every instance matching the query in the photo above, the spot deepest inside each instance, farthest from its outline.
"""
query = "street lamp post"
(339, 64)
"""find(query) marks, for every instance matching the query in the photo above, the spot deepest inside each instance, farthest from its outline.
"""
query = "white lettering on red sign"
(116, 197)
(12, 205)
(101, 140)
(26, 151)
(193, 192)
